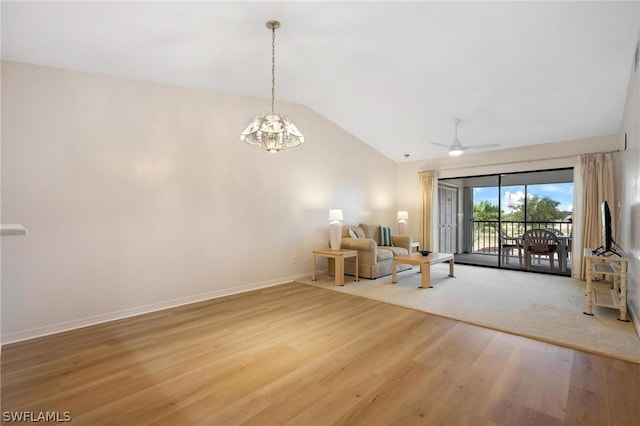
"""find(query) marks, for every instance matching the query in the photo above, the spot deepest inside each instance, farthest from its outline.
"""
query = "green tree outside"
(539, 209)
(485, 211)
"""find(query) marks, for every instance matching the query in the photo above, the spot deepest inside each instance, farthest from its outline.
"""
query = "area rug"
(543, 307)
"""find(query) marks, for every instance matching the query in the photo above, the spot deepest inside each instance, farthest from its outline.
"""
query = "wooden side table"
(414, 245)
(338, 256)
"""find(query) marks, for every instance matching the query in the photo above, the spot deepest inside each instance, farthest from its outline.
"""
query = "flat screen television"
(609, 245)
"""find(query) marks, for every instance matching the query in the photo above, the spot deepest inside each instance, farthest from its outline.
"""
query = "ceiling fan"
(456, 147)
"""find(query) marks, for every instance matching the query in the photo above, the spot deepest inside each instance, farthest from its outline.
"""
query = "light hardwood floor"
(300, 355)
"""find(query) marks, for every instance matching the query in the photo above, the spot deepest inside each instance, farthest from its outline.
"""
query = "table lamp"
(403, 216)
(335, 228)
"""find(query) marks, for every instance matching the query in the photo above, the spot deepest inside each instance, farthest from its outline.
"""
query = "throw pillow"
(385, 236)
(355, 233)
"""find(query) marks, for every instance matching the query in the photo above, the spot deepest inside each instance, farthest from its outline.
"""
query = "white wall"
(627, 170)
(139, 196)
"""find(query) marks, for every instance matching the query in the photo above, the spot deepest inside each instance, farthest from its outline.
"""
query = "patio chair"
(508, 244)
(557, 233)
(539, 242)
(568, 242)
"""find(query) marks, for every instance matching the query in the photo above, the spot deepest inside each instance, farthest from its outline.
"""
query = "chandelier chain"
(273, 67)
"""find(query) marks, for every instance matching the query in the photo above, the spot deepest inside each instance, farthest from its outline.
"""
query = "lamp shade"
(335, 214)
(403, 215)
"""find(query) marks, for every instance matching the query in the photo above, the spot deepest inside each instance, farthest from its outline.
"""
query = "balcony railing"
(486, 238)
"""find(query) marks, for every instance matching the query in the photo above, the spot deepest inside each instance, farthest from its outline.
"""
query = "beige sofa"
(374, 259)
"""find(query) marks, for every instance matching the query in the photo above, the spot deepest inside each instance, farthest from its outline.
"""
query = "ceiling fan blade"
(440, 144)
(483, 146)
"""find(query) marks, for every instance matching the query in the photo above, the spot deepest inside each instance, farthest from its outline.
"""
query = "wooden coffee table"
(425, 263)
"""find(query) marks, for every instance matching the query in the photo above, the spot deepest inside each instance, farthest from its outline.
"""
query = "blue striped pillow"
(385, 236)
(354, 233)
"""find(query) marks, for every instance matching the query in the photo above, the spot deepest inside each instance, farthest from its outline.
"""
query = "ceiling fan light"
(454, 152)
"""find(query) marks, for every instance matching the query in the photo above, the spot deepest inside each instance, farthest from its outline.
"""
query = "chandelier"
(270, 131)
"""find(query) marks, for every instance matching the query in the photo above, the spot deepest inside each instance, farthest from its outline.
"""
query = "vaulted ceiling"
(394, 74)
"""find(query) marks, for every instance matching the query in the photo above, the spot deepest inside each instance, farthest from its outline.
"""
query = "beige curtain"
(594, 185)
(428, 184)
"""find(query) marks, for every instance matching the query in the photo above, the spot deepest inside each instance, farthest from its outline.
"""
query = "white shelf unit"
(610, 292)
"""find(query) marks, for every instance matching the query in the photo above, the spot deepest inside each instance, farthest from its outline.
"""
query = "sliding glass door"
(484, 222)
(497, 210)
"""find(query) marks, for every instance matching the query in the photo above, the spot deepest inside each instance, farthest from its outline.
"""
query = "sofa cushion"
(384, 254)
(371, 231)
(397, 251)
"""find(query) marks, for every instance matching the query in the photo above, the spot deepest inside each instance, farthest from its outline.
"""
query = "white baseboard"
(634, 318)
(33, 333)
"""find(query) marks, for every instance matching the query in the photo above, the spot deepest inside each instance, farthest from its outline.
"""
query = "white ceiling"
(394, 74)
